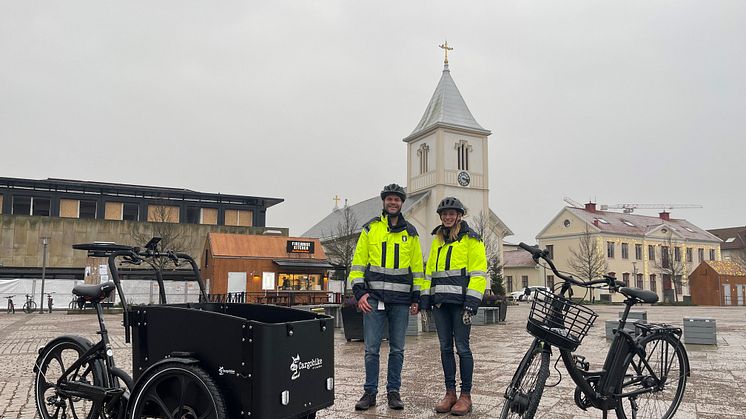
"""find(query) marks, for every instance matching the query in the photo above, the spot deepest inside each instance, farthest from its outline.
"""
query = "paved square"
(715, 389)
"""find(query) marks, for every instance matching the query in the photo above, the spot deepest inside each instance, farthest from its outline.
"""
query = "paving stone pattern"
(715, 389)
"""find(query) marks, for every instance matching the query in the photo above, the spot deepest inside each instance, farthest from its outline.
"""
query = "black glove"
(466, 317)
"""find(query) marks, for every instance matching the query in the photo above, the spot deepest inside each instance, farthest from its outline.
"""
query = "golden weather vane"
(445, 48)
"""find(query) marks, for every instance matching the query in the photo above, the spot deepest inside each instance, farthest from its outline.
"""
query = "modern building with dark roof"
(648, 252)
(66, 212)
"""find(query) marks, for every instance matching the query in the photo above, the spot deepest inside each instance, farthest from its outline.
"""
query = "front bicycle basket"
(559, 321)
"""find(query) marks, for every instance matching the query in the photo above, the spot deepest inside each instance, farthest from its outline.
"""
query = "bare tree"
(339, 243)
(163, 223)
(671, 263)
(481, 225)
(588, 261)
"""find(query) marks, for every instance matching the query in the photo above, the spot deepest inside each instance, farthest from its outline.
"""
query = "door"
(739, 292)
(726, 294)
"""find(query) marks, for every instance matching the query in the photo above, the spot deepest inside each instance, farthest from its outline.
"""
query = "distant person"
(386, 276)
(453, 289)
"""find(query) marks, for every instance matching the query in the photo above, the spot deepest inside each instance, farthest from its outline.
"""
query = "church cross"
(445, 48)
(336, 200)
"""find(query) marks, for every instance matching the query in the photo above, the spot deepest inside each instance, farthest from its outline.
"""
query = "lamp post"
(634, 270)
(45, 243)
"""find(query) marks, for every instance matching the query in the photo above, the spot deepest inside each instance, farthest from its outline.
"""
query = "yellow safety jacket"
(456, 271)
(388, 262)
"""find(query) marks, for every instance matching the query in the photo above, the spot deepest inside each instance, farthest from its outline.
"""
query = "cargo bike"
(189, 360)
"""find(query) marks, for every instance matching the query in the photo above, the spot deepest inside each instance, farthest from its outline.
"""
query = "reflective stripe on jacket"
(456, 272)
(387, 262)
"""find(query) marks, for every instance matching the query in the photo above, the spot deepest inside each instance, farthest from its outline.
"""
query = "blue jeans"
(373, 323)
(451, 328)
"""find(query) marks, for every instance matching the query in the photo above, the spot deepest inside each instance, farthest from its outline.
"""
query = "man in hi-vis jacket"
(386, 277)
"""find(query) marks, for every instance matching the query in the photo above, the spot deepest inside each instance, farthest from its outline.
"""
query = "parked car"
(521, 295)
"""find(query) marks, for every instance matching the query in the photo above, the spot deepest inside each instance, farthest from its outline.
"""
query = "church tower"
(447, 156)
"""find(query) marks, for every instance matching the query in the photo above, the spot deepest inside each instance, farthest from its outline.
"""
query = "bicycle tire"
(53, 359)
(177, 389)
(667, 357)
(524, 393)
(29, 307)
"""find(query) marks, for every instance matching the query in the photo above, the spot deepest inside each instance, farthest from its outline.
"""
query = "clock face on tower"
(464, 178)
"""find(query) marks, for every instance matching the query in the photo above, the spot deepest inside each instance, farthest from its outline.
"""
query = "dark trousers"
(451, 329)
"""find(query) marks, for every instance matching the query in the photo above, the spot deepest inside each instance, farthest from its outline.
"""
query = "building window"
(158, 213)
(712, 254)
(689, 257)
(21, 205)
(625, 278)
(677, 284)
(638, 252)
(238, 218)
(677, 254)
(610, 250)
(422, 152)
(625, 251)
(302, 282)
(652, 283)
(40, 207)
(524, 281)
(639, 281)
(651, 252)
(509, 279)
(130, 211)
(550, 281)
(665, 262)
(462, 150)
(550, 249)
(87, 209)
(701, 254)
(193, 215)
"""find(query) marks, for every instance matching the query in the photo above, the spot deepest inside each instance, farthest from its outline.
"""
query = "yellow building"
(653, 253)
(520, 270)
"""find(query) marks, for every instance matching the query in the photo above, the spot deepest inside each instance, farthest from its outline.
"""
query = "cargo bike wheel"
(176, 390)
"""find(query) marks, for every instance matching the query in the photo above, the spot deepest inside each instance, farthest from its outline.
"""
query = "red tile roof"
(640, 225)
(518, 258)
(250, 245)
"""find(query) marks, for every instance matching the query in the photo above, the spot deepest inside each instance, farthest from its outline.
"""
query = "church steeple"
(447, 109)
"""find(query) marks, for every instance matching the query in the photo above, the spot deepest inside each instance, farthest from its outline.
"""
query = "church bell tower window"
(422, 153)
(462, 150)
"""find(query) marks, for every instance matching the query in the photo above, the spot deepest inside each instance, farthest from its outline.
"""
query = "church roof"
(362, 211)
(447, 108)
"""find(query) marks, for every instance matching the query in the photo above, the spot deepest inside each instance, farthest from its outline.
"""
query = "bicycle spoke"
(155, 398)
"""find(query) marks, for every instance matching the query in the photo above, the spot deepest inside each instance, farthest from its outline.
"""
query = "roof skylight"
(689, 229)
(602, 221)
(629, 223)
(730, 240)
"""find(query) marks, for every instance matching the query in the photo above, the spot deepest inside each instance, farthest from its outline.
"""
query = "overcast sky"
(634, 101)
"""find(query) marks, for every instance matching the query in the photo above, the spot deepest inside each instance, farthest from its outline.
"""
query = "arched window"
(462, 152)
(422, 153)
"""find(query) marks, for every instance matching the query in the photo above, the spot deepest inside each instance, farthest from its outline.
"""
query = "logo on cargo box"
(297, 365)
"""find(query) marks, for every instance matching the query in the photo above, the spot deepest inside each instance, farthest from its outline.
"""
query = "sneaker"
(366, 401)
(395, 400)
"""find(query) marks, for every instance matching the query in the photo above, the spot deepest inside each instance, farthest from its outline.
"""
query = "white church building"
(446, 156)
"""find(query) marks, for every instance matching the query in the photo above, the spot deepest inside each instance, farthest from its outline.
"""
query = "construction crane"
(630, 208)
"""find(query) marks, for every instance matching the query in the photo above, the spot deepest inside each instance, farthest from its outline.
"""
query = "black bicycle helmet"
(453, 203)
(394, 189)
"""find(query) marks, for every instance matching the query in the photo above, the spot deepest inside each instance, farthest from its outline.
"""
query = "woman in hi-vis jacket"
(453, 289)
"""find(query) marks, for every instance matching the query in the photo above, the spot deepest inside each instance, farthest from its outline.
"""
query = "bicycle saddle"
(94, 292)
(643, 295)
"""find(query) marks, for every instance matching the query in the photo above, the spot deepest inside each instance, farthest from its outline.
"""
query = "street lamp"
(45, 243)
(634, 270)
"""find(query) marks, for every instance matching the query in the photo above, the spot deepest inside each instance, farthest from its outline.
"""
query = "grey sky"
(633, 101)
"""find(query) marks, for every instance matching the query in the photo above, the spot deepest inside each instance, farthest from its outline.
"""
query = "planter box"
(629, 327)
(700, 331)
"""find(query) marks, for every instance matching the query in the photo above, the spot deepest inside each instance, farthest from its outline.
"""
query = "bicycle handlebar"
(537, 254)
